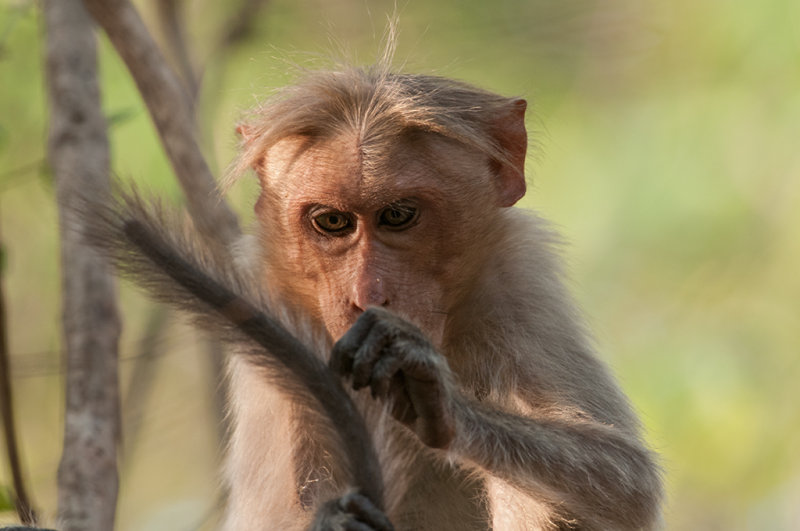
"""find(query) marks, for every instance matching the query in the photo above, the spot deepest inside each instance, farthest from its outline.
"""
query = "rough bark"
(172, 115)
(79, 155)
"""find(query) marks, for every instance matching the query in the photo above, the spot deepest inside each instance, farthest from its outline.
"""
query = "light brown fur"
(543, 438)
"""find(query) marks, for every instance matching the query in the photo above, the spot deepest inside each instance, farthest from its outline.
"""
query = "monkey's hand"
(351, 512)
(399, 364)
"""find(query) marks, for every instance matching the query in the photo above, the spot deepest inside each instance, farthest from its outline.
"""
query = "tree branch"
(171, 113)
(79, 155)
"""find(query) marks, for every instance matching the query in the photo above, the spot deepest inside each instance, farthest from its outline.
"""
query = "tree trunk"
(79, 155)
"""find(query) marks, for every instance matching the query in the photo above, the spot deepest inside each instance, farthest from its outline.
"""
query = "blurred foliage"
(5, 500)
(666, 150)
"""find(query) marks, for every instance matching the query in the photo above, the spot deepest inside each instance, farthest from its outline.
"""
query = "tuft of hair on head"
(378, 103)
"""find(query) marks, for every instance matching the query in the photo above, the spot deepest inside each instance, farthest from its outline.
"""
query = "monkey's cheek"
(433, 325)
(337, 324)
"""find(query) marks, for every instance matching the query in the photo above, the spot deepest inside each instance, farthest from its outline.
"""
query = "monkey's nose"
(369, 292)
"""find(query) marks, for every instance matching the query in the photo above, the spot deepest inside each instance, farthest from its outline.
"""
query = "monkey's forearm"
(601, 476)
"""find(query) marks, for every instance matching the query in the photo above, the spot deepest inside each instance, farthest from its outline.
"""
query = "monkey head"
(359, 225)
(377, 197)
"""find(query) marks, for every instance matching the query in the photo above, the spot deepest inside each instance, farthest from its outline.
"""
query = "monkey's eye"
(398, 216)
(333, 222)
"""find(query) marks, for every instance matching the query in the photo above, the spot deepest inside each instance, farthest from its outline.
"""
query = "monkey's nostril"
(366, 294)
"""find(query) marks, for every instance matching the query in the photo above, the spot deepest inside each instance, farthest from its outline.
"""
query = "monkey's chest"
(441, 496)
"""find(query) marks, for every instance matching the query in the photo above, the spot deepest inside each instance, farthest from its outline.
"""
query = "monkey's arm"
(598, 474)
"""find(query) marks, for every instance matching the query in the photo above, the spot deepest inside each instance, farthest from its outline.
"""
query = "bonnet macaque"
(384, 215)
(387, 242)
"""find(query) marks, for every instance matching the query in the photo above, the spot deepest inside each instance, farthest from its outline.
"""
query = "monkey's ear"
(246, 132)
(509, 131)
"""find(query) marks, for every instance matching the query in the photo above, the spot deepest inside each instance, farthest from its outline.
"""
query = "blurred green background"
(667, 151)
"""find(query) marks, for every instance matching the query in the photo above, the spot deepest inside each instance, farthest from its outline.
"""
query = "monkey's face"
(348, 226)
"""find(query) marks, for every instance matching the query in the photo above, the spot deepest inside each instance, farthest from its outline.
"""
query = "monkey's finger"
(365, 511)
(341, 361)
(371, 350)
(402, 409)
(435, 425)
(382, 374)
(355, 525)
(344, 350)
(342, 355)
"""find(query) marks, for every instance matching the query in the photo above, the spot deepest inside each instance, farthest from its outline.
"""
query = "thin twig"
(143, 373)
(22, 502)
(238, 28)
(240, 25)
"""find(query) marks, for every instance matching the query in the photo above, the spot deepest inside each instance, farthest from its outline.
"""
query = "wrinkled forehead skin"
(351, 174)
